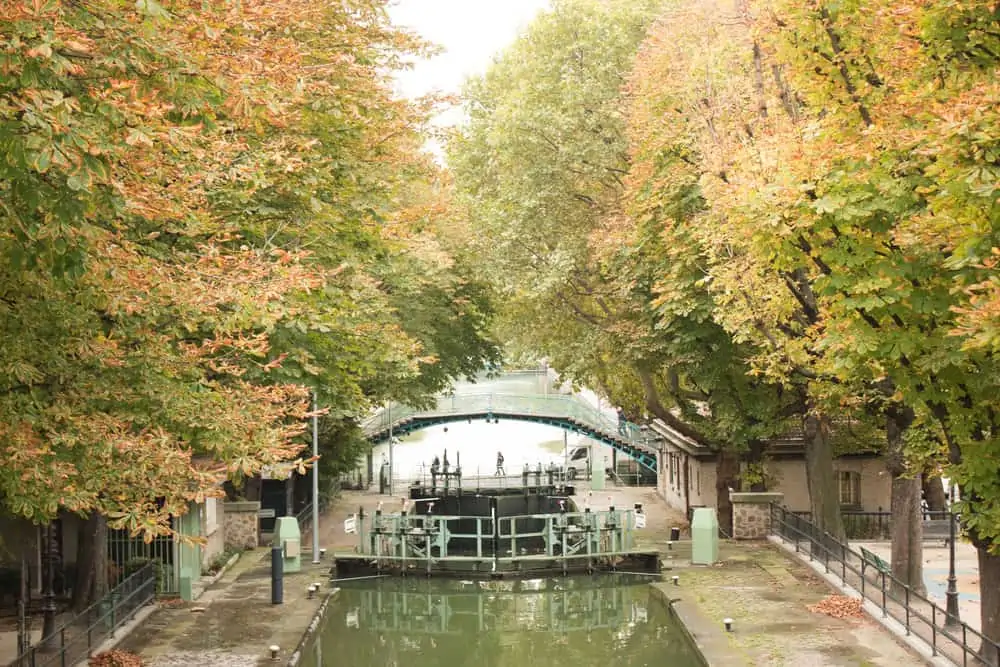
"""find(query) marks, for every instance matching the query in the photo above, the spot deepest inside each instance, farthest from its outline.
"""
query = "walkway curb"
(711, 644)
(919, 646)
(311, 630)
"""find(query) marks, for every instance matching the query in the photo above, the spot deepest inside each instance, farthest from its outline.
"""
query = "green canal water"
(599, 621)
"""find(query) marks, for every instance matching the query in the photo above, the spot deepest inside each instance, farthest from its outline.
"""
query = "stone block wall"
(752, 514)
(242, 524)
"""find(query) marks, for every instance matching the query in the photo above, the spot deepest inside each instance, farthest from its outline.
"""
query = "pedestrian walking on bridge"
(500, 471)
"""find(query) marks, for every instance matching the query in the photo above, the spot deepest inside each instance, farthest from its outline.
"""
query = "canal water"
(589, 621)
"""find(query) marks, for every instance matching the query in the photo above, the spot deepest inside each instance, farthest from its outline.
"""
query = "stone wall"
(752, 514)
(242, 524)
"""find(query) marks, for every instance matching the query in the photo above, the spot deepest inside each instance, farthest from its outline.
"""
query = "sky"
(470, 31)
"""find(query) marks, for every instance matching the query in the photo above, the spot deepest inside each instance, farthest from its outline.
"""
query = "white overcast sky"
(470, 32)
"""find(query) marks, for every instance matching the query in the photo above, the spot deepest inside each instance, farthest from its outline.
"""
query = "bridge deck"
(568, 411)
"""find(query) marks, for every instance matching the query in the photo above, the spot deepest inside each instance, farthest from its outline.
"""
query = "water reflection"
(581, 621)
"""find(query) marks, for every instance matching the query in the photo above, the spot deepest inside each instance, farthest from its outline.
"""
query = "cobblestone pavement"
(233, 623)
(936, 575)
(918, 615)
(768, 594)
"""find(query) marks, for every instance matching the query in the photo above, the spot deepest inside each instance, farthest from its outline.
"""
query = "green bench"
(874, 559)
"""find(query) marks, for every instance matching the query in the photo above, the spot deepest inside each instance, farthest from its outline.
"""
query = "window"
(849, 483)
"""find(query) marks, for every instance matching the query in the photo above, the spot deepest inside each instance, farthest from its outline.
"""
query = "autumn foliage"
(786, 211)
(194, 201)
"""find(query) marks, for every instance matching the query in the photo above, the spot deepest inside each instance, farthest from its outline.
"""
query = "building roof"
(792, 444)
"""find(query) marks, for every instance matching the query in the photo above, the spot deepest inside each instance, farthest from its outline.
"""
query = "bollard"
(277, 575)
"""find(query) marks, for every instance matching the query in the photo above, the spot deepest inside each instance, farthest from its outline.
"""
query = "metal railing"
(426, 539)
(74, 640)
(127, 553)
(555, 407)
(304, 516)
(877, 526)
(919, 616)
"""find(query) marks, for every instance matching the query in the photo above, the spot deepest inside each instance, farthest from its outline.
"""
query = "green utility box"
(704, 536)
(289, 538)
(188, 554)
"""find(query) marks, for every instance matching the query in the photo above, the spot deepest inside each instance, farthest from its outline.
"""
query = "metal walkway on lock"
(518, 395)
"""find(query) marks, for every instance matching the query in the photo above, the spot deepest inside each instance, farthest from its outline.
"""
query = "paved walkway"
(233, 623)
(768, 594)
(908, 614)
(936, 575)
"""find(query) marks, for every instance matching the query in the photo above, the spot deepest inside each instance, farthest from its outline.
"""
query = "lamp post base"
(951, 607)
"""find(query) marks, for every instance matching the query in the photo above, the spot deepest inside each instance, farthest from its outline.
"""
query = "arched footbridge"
(492, 403)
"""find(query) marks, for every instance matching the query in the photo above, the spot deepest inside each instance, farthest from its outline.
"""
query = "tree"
(688, 103)
(853, 192)
(193, 209)
(576, 249)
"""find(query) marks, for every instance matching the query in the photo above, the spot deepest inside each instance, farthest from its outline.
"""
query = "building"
(689, 472)
(180, 562)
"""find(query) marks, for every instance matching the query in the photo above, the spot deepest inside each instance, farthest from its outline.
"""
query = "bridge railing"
(555, 406)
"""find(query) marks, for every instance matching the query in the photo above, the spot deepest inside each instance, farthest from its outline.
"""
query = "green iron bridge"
(518, 395)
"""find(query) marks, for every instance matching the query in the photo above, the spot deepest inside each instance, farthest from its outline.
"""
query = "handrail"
(304, 516)
(555, 406)
(892, 596)
(72, 641)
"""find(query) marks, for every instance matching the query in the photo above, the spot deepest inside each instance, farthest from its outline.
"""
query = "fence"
(75, 639)
(876, 526)
(920, 616)
(127, 554)
(507, 541)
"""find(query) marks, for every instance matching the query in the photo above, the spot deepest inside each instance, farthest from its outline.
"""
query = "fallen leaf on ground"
(838, 606)
(116, 658)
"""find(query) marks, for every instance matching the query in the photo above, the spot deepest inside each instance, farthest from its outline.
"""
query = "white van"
(578, 463)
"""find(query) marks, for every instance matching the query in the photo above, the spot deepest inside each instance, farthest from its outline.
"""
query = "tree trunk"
(91, 562)
(755, 458)
(727, 474)
(824, 496)
(933, 488)
(989, 592)
(253, 487)
(907, 517)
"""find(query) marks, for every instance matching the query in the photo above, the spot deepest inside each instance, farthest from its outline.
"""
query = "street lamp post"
(391, 462)
(952, 618)
(315, 480)
(48, 593)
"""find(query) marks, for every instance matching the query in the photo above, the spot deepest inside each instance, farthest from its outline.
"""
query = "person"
(500, 471)
(622, 422)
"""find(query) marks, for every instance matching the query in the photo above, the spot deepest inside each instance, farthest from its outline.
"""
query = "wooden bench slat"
(880, 564)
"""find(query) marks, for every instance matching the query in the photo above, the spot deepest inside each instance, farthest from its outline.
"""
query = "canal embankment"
(776, 605)
(767, 595)
(234, 623)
